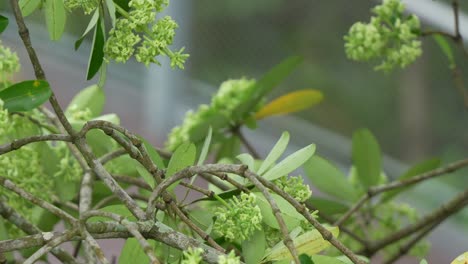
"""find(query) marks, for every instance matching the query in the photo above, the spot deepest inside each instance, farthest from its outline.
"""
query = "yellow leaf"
(308, 243)
(290, 103)
(462, 259)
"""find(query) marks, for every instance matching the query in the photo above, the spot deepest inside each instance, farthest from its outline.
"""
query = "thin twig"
(18, 143)
(49, 246)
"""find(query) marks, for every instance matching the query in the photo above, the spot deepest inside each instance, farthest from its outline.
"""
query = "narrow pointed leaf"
(327, 206)
(308, 243)
(97, 51)
(153, 153)
(328, 179)
(247, 159)
(92, 23)
(28, 6)
(446, 49)
(92, 98)
(462, 259)
(269, 81)
(275, 153)
(183, 157)
(55, 18)
(290, 163)
(3, 23)
(292, 102)
(206, 147)
(418, 169)
(25, 96)
(111, 8)
(145, 175)
(366, 158)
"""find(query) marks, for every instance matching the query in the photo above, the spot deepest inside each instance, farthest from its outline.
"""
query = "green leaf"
(92, 22)
(291, 219)
(423, 261)
(308, 243)
(97, 51)
(66, 189)
(145, 175)
(321, 259)
(206, 148)
(119, 209)
(28, 6)
(153, 153)
(290, 163)
(92, 97)
(305, 259)
(55, 18)
(366, 158)
(111, 8)
(3, 23)
(132, 252)
(290, 103)
(228, 148)
(275, 153)
(417, 169)
(462, 259)
(446, 49)
(269, 81)
(253, 249)
(25, 96)
(328, 179)
(248, 160)
(326, 206)
(183, 157)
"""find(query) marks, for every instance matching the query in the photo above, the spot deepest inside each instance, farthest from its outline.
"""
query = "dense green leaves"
(28, 6)
(97, 51)
(92, 98)
(183, 157)
(329, 179)
(417, 169)
(290, 163)
(55, 18)
(275, 153)
(366, 158)
(25, 96)
(3, 23)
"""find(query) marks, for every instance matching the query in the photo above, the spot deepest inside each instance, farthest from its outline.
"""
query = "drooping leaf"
(275, 153)
(55, 18)
(462, 259)
(92, 98)
(326, 206)
(253, 249)
(366, 158)
(25, 96)
(269, 81)
(328, 179)
(132, 252)
(111, 8)
(290, 163)
(417, 169)
(206, 148)
(446, 49)
(183, 157)
(292, 102)
(3, 23)
(92, 23)
(28, 6)
(97, 51)
(308, 243)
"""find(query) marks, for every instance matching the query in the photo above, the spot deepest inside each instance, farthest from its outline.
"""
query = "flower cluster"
(390, 36)
(295, 187)
(230, 258)
(230, 96)
(240, 220)
(9, 64)
(135, 33)
(192, 256)
(88, 6)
